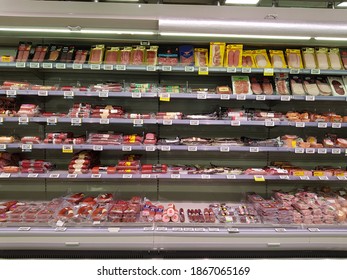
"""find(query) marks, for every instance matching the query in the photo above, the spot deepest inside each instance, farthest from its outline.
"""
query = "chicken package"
(201, 57)
(217, 50)
(277, 59)
(96, 54)
(186, 53)
(138, 55)
(337, 85)
(261, 58)
(81, 56)
(323, 86)
(233, 56)
(248, 60)
(322, 58)
(282, 84)
(309, 57)
(152, 55)
(261, 85)
(297, 86)
(294, 59)
(310, 86)
(111, 55)
(23, 51)
(40, 53)
(241, 85)
(335, 59)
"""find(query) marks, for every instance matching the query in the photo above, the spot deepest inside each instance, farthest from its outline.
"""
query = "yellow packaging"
(138, 55)
(233, 56)
(309, 58)
(217, 50)
(261, 59)
(322, 58)
(294, 59)
(112, 55)
(247, 59)
(335, 59)
(125, 55)
(201, 57)
(96, 54)
(152, 55)
(277, 59)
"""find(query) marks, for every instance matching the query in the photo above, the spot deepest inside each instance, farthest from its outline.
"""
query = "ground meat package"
(337, 86)
(241, 85)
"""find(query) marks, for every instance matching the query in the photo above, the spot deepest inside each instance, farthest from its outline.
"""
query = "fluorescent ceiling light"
(273, 37)
(48, 30)
(342, 4)
(242, 2)
(118, 32)
(330, 39)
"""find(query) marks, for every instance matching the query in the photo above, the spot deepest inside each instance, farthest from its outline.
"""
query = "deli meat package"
(200, 57)
(296, 85)
(23, 51)
(310, 86)
(233, 56)
(248, 59)
(322, 58)
(335, 59)
(138, 55)
(261, 85)
(337, 86)
(309, 57)
(277, 59)
(323, 86)
(241, 85)
(216, 54)
(96, 54)
(282, 84)
(112, 55)
(186, 53)
(261, 58)
(294, 59)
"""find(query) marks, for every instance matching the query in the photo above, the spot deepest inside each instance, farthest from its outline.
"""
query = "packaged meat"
(200, 57)
(337, 86)
(40, 53)
(261, 58)
(81, 56)
(30, 140)
(152, 55)
(186, 54)
(15, 85)
(28, 110)
(6, 139)
(322, 58)
(296, 85)
(241, 85)
(310, 86)
(23, 51)
(248, 59)
(309, 58)
(96, 54)
(335, 59)
(323, 86)
(67, 54)
(261, 85)
(277, 59)
(217, 50)
(138, 55)
(168, 55)
(54, 53)
(223, 90)
(282, 84)
(10, 169)
(294, 59)
(112, 55)
(7, 58)
(343, 54)
(233, 56)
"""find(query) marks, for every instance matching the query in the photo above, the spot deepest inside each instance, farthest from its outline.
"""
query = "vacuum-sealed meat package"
(261, 58)
(335, 59)
(282, 84)
(277, 59)
(294, 59)
(337, 85)
(201, 57)
(296, 85)
(323, 86)
(216, 54)
(310, 86)
(96, 54)
(111, 55)
(241, 85)
(186, 53)
(322, 58)
(247, 59)
(233, 56)
(309, 57)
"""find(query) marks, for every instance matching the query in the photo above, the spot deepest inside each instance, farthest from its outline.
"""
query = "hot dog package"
(277, 59)
(309, 57)
(247, 59)
(294, 59)
(233, 56)
(216, 54)
(261, 58)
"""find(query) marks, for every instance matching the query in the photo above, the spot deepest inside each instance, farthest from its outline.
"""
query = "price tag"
(148, 228)
(241, 97)
(285, 98)
(150, 148)
(96, 176)
(175, 176)
(342, 178)
(310, 98)
(20, 64)
(54, 176)
(60, 66)
(51, 121)
(138, 122)
(11, 93)
(127, 176)
(166, 148)
(34, 65)
(294, 71)
(201, 96)
(69, 94)
(165, 97)
(166, 68)
(231, 70)
(76, 121)
(151, 68)
(284, 177)
(95, 67)
(5, 175)
(27, 147)
(1, 120)
(24, 228)
(280, 229)
(98, 148)
(3, 147)
(205, 176)
(194, 122)
(246, 70)
(203, 71)
(122, 67)
(260, 97)
(313, 229)
(213, 229)
(108, 67)
(42, 93)
(103, 94)
(269, 123)
(77, 66)
(113, 229)
(47, 65)
(318, 173)
(336, 125)
(60, 223)
(310, 151)
(254, 149)
(299, 124)
(161, 228)
(67, 149)
(233, 230)
(259, 178)
(200, 229)
(192, 148)
(104, 121)
(323, 178)
(225, 96)
(145, 176)
(167, 122)
(322, 125)
(231, 177)
(322, 151)
(336, 151)
(96, 223)
(189, 69)
(188, 229)
(315, 71)
(71, 176)
(33, 175)
(136, 95)
(299, 150)
(126, 148)
(304, 178)
(224, 149)
(235, 123)
(268, 71)
(23, 120)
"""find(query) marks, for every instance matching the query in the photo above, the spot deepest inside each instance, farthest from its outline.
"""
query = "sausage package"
(112, 55)
(335, 59)
(277, 59)
(23, 51)
(294, 59)
(54, 53)
(241, 85)
(261, 85)
(233, 56)
(261, 59)
(337, 85)
(217, 50)
(40, 53)
(309, 57)
(96, 54)
(186, 53)
(247, 59)
(322, 58)
(151, 55)
(201, 57)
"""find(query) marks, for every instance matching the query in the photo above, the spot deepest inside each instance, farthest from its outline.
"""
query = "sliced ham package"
(296, 85)
(294, 58)
(282, 84)
(277, 59)
(323, 86)
(261, 58)
(337, 85)
(309, 57)
(310, 86)
(335, 59)
(138, 55)
(111, 55)
(241, 85)
(322, 58)
(217, 50)
(233, 56)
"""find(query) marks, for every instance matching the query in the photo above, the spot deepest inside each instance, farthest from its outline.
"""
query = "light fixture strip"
(330, 38)
(241, 2)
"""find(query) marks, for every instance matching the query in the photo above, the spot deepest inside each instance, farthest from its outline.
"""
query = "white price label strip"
(323, 178)
(113, 229)
(24, 228)
(20, 64)
(213, 229)
(310, 98)
(336, 151)
(151, 68)
(225, 96)
(299, 150)
(108, 67)
(269, 123)
(294, 71)
(60, 66)
(177, 229)
(150, 148)
(3, 147)
(200, 229)
(103, 93)
(23, 120)
(104, 121)
(69, 94)
(194, 122)
(201, 96)
(205, 176)
(280, 230)
(233, 230)
(47, 65)
(76, 121)
(98, 148)
(42, 93)
(310, 151)
(260, 98)
(175, 176)
(231, 177)
(145, 176)
(304, 178)
(166, 148)
(231, 70)
(241, 97)
(121, 67)
(96, 176)
(192, 148)
(189, 69)
(34, 65)
(166, 68)
(27, 147)
(254, 149)
(136, 95)
(299, 124)
(246, 70)
(322, 125)
(235, 123)
(54, 176)
(284, 177)
(95, 67)
(51, 121)
(285, 98)
(138, 122)
(322, 151)
(315, 71)
(5, 175)
(336, 125)
(167, 122)
(224, 149)
(126, 148)
(71, 176)
(33, 175)
(77, 66)
(11, 93)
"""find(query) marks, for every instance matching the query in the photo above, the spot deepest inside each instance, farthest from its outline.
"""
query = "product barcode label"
(322, 151)
(167, 122)
(315, 71)
(299, 150)
(71, 176)
(231, 70)
(136, 95)
(294, 71)
(126, 148)
(231, 177)
(254, 149)
(150, 148)
(108, 67)
(189, 69)
(205, 176)
(77, 66)
(175, 176)
(246, 70)
(76, 121)
(241, 97)
(3, 147)
(310, 98)
(225, 96)
(122, 67)
(166, 148)
(51, 121)
(235, 123)
(201, 96)
(69, 94)
(336, 151)
(95, 67)
(96, 176)
(104, 121)
(54, 176)
(304, 178)
(34, 65)
(192, 148)
(23, 120)
(285, 98)
(60, 66)
(20, 64)
(98, 148)
(27, 147)
(322, 125)
(310, 151)
(269, 123)
(194, 122)
(151, 68)
(33, 175)
(224, 149)
(11, 93)
(166, 68)
(260, 97)
(299, 124)
(336, 125)
(42, 93)
(103, 94)
(47, 65)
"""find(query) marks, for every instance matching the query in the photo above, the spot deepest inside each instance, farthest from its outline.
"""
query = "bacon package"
(277, 59)
(28, 110)
(296, 85)
(323, 86)
(35, 166)
(138, 55)
(105, 139)
(233, 56)
(112, 55)
(152, 55)
(125, 55)
(96, 54)
(217, 50)
(83, 161)
(200, 57)
(310, 86)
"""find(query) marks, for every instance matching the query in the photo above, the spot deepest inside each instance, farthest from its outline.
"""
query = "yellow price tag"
(203, 71)
(259, 178)
(293, 143)
(268, 71)
(132, 138)
(165, 97)
(5, 59)
(67, 149)
(318, 173)
(298, 173)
